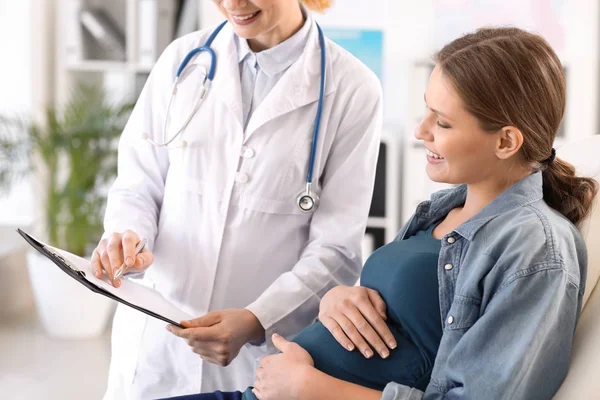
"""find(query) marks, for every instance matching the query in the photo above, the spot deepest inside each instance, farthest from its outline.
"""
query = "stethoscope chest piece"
(307, 201)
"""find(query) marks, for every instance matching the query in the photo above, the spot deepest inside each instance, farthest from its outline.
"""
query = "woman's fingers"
(372, 311)
(366, 330)
(350, 329)
(378, 302)
(338, 333)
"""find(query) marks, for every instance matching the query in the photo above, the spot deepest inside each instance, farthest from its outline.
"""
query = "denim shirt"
(511, 284)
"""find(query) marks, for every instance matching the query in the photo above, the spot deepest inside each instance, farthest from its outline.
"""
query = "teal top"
(404, 273)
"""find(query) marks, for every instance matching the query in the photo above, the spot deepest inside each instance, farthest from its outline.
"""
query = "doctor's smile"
(245, 19)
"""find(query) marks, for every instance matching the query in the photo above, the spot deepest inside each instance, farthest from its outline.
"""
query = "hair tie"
(550, 159)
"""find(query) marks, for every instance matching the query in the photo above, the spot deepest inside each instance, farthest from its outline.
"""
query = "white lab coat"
(221, 214)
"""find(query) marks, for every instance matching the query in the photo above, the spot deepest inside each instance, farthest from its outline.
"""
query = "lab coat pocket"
(278, 176)
(272, 206)
(463, 313)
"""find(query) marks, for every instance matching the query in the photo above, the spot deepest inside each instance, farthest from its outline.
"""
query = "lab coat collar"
(226, 83)
(298, 86)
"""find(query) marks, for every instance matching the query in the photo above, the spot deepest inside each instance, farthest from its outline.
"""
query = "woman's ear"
(509, 142)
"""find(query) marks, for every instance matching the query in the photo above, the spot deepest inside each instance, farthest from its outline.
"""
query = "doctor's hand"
(116, 249)
(356, 315)
(283, 376)
(218, 336)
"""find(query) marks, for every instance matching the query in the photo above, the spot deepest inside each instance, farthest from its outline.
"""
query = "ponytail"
(317, 5)
(567, 193)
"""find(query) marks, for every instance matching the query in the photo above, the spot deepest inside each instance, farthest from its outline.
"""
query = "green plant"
(76, 148)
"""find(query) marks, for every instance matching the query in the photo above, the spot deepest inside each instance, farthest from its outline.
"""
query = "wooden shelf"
(98, 66)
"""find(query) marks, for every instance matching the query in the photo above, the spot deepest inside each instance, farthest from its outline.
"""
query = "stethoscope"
(307, 200)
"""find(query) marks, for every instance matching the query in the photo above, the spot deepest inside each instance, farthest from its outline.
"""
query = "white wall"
(16, 96)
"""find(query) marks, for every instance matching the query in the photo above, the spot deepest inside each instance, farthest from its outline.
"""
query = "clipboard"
(131, 294)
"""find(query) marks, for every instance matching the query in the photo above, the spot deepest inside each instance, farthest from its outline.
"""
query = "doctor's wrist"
(255, 331)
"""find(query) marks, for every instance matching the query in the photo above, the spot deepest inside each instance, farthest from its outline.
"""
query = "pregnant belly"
(405, 365)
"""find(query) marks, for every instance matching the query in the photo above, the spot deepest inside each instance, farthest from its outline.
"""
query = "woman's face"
(458, 149)
(264, 23)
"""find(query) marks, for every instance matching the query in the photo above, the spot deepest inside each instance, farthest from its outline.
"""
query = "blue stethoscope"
(307, 200)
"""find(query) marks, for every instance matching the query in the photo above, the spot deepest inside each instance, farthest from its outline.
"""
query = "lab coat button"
(248, 152)
(448, 267)
(450, 320)
(451, 240)
(241, 178)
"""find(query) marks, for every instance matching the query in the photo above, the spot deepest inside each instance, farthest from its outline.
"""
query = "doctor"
(253, 195)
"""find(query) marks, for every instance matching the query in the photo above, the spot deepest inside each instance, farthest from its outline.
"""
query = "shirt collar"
(277, 59)
(526, 191)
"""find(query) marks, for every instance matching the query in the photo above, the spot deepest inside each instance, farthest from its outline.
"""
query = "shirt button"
(241, 178)
(448, 267)
(450, 320)
(451, 240)
(248, 152)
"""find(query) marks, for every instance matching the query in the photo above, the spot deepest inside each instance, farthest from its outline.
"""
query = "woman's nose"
(423, 130)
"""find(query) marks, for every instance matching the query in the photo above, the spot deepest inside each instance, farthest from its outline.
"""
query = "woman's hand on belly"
(355, 316)
(282, 376)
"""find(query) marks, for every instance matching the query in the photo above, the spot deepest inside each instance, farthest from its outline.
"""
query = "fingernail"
(98, 274)
(392, 345)
(129, 261)
(140, 260)
(118, 283)
(368, 353)
(168, 327)
(384, 353)
(350, 347)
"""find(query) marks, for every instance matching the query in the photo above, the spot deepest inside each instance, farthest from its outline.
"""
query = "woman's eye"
(442, 125)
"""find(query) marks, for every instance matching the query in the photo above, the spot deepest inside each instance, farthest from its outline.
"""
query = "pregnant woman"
(479, 295)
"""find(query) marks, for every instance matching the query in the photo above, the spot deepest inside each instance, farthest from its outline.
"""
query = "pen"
(123, 268)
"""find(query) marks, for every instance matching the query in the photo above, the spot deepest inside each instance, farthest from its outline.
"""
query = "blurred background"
(71, 71)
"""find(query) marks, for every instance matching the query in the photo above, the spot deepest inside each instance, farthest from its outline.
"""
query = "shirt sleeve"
(519, 348)
(332, 255)
(395, 391)
(135, 198)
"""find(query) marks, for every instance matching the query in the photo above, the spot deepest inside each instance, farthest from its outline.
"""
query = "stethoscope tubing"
(208, 79)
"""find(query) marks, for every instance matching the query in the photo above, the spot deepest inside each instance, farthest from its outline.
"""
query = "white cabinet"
(112, 42)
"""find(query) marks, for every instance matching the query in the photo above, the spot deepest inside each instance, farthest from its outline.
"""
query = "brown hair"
(509, 77)
(317, 5)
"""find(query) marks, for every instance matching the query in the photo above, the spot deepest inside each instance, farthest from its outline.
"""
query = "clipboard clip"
(64, 262)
